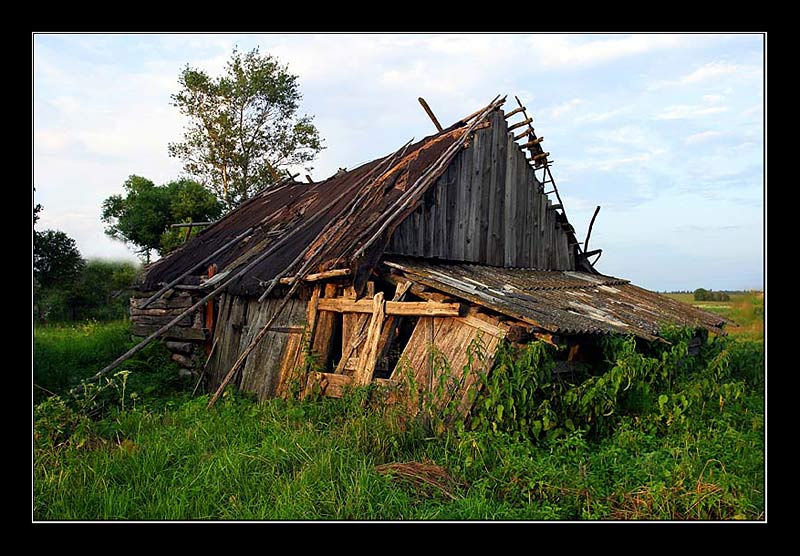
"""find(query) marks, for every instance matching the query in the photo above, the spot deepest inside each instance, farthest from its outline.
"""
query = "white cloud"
(574, 51)
(715, 70)
(101, 111)
(597, 117)
(626, 135)
(757, 109)
(557, 111)
(702, 137)
(684, 112)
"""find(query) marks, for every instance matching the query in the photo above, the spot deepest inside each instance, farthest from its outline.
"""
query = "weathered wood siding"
(239, 320)
(487, 208)
(440, 345)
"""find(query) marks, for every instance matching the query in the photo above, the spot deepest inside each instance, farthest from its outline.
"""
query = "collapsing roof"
(458, 219)
(563, 302)
(330, 219)
(498, 214)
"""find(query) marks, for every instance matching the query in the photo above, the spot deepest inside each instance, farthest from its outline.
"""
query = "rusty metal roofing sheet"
(276, 212)
(563, 302)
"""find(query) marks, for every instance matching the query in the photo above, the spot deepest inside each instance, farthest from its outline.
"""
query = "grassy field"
(746, 309)
(681, 442)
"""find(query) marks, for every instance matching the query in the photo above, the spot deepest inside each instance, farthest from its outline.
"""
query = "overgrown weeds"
(651, 433)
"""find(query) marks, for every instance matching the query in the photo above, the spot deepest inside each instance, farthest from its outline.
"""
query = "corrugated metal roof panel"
(559, 301)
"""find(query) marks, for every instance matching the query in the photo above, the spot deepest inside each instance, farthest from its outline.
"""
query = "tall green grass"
(690, 448)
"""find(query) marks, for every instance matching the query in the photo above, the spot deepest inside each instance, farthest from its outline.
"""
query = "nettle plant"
(657, 383)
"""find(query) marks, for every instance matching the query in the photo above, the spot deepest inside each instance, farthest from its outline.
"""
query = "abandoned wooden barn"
(448, 241)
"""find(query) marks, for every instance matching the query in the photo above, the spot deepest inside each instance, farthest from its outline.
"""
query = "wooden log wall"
(487, 208)
(184, 339)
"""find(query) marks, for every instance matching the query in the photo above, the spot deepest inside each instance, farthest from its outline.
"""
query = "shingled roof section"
(559, 301)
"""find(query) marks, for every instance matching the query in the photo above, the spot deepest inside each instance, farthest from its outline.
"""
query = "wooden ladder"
(538, 159)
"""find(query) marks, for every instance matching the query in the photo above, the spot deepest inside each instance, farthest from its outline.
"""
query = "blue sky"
(664, 131)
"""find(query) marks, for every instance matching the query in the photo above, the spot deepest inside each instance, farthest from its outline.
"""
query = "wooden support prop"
(589, 232)
(358, 339)
(228, 280)
(202, 263)
(540, 156)
(520, 124)
(476, 113)
(318, 276)
(399, 308)
(592, 252)
(205, 366)
(514, 111)
(190, 224)
(326, 322)
(523, 134)
(369, 355)
(557, 206)
(429, 112)
(308, 179)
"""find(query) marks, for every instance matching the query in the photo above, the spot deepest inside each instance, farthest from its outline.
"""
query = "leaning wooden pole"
(269, 251)
(589, 232)
(430, 114)
(205, 261)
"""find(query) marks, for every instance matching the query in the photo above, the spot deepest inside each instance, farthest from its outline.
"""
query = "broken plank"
(369, 356)
(400, 308)
(335, 273)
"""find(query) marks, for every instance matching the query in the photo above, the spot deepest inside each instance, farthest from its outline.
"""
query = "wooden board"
(176, 332)
(228, 332)
(495, 205)
(399, 308)
(326, 326)
(451, 339)
(371, 349)
(510, 199)
(261, 371)
(290, 370)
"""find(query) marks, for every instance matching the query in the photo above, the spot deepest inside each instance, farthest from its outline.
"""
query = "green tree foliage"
(142, 217)
(243, 126)
(702, 294)
(101, 292)
(56, 259)
(57, 263)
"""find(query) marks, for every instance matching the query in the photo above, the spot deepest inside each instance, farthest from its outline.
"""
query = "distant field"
(746, 309)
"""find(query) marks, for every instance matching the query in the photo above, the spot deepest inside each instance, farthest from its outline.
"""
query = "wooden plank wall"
(487, 208)
(450, 338)
(240, 319)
